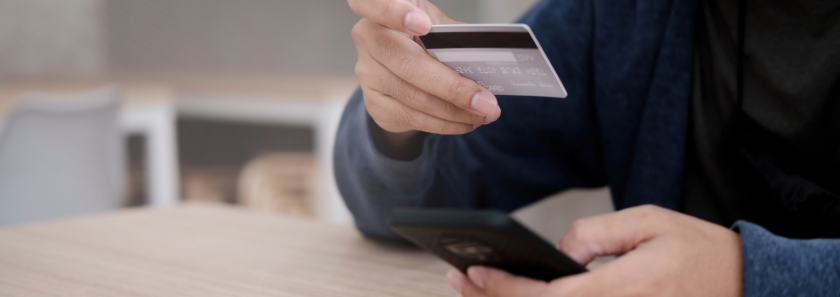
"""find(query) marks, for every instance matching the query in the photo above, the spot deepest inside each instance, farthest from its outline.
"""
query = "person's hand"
(405, 89)
(665, 253)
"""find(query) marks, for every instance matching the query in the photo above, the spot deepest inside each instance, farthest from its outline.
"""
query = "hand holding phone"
(488, 238)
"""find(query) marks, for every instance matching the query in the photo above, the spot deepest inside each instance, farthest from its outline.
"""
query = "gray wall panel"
(310, 37)
(48, 37)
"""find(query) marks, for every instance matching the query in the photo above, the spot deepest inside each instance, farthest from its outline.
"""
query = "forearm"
(404, 146)
(777, 266)
(372, 183)
(539, 147)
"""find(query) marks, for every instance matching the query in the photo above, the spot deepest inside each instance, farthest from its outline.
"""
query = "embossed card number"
(506, 59)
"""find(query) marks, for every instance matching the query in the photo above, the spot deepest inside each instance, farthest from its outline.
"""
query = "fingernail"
(476, 276)
(454, 278)
(418, 23)
(484, 104)
(493, 117)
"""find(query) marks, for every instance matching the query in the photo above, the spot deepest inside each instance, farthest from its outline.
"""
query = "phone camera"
(469, 249)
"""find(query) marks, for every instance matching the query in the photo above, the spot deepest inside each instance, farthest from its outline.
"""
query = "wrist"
(402, 146)
(399, 141)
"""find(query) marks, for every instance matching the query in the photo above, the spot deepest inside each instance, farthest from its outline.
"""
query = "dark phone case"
(488, 238)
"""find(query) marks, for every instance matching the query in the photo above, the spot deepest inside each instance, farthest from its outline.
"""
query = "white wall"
(83, 37)
(49, 37)
(504, 11)
(310, 37)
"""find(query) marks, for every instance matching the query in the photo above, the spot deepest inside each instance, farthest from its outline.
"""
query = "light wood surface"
(205, 250)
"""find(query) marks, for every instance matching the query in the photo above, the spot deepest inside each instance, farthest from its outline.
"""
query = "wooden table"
(204, 250)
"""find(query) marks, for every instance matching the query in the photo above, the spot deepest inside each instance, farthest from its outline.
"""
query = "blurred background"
(195, 100)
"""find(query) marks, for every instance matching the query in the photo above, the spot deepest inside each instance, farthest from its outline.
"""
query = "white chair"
(61, 155)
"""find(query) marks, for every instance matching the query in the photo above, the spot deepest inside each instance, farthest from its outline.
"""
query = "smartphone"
(487, 237)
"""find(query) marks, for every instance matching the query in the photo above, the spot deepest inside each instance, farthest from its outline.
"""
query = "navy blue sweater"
(627, 67)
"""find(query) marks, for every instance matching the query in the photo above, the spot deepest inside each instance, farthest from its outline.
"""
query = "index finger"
(399, 15)
(410, 62)
(612, 233)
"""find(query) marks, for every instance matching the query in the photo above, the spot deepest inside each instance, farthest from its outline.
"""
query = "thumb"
(613, 233)
(493, 282)
(399, 15)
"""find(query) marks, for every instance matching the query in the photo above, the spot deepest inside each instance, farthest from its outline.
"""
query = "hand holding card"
(405, 89)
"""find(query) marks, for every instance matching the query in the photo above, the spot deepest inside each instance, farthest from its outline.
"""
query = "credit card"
(504, 58)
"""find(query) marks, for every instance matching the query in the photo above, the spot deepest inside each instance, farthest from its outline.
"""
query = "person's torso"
(772, 157)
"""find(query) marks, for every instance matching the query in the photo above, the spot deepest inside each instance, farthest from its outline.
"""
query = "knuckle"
(384, 44)
(357, 33)
(377, 114)
(371, 104)
(401, 91)
(392, 8)
(461, 91)
(444, 127)
(450, 110)
(412, 119)
(374, 105)
(380, 114)
(458, 128)
(394, 88)
(577, 230)
(650, 212)
(360, 70)
(468, 128)
(408, 65)
(419, 99)
(577, 225)
(455, 88)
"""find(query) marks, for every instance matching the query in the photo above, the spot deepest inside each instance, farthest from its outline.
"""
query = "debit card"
(504, 58)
